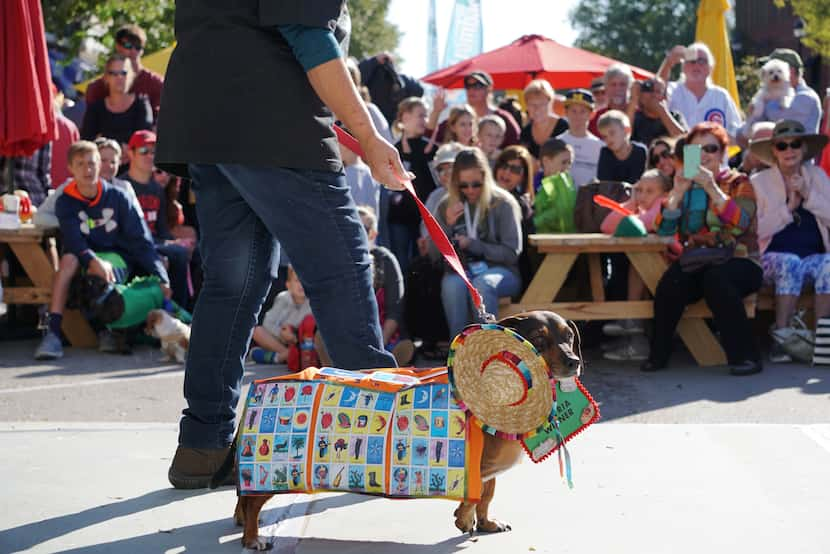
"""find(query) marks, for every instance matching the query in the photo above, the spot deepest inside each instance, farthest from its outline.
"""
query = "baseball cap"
(579, 96)
(598, 83)
(785, 55)
(142, 138)
(478, 77)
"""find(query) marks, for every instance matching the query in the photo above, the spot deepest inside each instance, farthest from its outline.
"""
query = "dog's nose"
(776, 78)
(572, 363)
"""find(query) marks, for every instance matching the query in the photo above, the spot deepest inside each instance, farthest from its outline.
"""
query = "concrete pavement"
(639, 488)
(683, 460)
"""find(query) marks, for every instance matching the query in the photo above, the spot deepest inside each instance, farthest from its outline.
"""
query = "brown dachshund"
(554, 337)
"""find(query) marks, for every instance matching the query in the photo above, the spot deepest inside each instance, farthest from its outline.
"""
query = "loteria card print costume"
(402, 433)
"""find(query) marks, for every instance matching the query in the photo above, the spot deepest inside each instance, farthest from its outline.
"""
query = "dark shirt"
(645, 129)
(149, 83)
(151, 198)
(801, 237)
(100, 122)
(402, 208)
(526, 137)
(263, 110)
(386, 86)
(388, 278)
(29, 173)
(107, 223)
(628, 170)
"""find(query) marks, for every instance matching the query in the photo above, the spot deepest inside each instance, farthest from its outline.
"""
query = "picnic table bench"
(26, 243)
(646, 256)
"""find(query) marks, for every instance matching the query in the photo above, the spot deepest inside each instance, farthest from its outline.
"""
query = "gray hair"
(618, 70)
(701, 47)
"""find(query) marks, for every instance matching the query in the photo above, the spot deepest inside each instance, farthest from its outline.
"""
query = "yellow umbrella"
(157, 61)
(711, 30)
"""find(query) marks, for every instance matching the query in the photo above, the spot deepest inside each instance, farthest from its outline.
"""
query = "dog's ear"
(577, 346)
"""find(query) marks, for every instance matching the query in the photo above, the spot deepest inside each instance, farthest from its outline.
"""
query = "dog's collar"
(104, 295)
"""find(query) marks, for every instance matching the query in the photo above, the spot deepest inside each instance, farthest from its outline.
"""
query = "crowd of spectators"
(491, 174)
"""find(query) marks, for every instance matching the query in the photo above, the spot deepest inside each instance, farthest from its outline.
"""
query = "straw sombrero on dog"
(501, 379)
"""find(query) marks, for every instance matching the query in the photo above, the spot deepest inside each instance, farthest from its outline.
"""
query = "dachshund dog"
(173, 334)
(559, 344)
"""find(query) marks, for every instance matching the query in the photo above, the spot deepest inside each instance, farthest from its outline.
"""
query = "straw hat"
(787, 128)
(501, 379)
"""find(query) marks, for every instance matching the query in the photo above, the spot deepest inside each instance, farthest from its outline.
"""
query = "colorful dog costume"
(401, 433)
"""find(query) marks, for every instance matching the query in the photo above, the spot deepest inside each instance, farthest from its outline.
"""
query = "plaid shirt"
(31, 173)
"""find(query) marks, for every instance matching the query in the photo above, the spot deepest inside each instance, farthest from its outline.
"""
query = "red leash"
(435, 232)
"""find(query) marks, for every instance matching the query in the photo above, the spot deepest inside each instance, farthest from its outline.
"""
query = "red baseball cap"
(142, 138)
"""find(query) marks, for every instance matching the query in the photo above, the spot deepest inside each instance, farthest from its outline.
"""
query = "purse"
(696, 259)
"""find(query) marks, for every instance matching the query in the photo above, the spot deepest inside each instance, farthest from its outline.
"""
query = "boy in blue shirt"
(103, 233)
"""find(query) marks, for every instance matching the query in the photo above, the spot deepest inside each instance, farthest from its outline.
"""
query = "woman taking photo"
(120, 113)
(793, 215)
(484, 223)
(714, 216)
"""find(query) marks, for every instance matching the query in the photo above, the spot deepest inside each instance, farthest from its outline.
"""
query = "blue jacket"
(108, 223)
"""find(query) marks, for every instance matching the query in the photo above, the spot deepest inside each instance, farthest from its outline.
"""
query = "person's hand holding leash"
(385, 163)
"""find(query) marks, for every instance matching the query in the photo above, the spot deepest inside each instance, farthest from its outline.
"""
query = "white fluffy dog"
(775, 85)
(173, 334)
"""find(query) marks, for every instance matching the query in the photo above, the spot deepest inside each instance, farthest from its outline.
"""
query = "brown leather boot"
(192, 468)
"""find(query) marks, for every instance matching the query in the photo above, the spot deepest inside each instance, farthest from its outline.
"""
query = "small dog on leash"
(173, 334)
(775, 85)
(556, 339)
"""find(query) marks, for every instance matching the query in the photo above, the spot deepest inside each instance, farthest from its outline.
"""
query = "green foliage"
(637, 32)
(371, 33)
(748, 77)
(72, 21)
(816, 16)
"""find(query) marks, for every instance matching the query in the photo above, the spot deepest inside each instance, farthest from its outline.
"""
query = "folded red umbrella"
(27, 120)
(531, 57)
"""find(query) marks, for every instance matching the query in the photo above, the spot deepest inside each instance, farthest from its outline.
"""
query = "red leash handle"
(606, 202)
(435, 232)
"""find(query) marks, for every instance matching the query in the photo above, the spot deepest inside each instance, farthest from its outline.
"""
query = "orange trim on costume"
(312, 443)
(475, 448)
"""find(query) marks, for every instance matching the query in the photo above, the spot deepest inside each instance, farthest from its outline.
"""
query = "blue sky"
(501, 26)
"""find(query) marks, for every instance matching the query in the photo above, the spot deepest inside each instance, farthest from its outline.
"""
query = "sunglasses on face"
(121, 73)
(144, 150)
(698, 61)
(475, 84)
(710, 148)
(782, 146)
(465, 186)
(657, 156)
(130, 45)
(515, 169)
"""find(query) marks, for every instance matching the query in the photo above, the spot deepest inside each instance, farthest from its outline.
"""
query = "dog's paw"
(465, 522)
(258, 545)
(492, 526)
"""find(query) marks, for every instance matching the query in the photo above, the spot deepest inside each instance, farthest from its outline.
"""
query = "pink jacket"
(771, 198)
(609, 224)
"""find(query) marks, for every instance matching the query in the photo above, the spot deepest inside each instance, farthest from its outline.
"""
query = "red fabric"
(27, 120)
(305, 338)
(146, 82)
(67, 134)
(531, 57)
(435, 232)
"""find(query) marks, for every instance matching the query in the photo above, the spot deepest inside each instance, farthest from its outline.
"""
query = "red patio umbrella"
(531, 57)
(27, 121)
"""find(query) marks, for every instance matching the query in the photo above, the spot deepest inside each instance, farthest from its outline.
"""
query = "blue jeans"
(494, 283)
(403, 243)
(178, 259)
(242, 211)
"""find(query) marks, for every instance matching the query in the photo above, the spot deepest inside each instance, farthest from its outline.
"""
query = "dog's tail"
(220, 477)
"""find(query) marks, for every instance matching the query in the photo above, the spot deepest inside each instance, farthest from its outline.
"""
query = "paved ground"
(684, 460)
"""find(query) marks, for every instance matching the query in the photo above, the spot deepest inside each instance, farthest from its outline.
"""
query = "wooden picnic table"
(27, 245)
(645, 254)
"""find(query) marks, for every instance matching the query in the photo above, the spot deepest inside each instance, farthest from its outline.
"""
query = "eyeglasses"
(465, 186)
(121, 73)
(515, 169)
(657, 156)
(474, 84)
(710, 148)
(144, 150)
(699, 61)
(130, 45)
(782, 146)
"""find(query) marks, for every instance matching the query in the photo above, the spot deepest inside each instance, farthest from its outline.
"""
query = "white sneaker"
(636, 350)
(624, 328)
